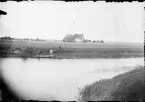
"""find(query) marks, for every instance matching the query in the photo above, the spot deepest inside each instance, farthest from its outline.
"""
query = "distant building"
(74, 38)
(68, 38)
(78, 37)
(78, 40)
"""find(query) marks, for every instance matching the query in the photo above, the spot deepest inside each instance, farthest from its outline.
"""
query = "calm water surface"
(47, 79)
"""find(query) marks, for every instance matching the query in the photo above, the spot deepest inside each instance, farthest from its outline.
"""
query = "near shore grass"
(128, 86)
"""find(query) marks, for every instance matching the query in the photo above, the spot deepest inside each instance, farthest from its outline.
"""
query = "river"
(48, 79)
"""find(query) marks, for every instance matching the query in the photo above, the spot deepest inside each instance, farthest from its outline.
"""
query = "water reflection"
(60, 79)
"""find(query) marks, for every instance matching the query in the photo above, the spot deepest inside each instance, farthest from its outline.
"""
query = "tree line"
(26, 39)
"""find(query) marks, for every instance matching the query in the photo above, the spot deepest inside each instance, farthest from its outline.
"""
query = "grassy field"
(83, 50)
(128, 86)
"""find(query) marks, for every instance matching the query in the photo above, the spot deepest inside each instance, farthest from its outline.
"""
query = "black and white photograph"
(72, 51)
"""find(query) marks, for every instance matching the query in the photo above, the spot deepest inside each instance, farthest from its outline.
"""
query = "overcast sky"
(53, 20)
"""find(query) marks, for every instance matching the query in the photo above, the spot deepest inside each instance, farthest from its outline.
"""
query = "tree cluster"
(6, 38)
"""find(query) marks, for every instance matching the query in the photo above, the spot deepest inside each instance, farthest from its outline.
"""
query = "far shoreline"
(70, 50)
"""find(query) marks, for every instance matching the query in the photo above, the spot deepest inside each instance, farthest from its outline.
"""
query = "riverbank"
(128, 86)
(75, 55)
(71, 57)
